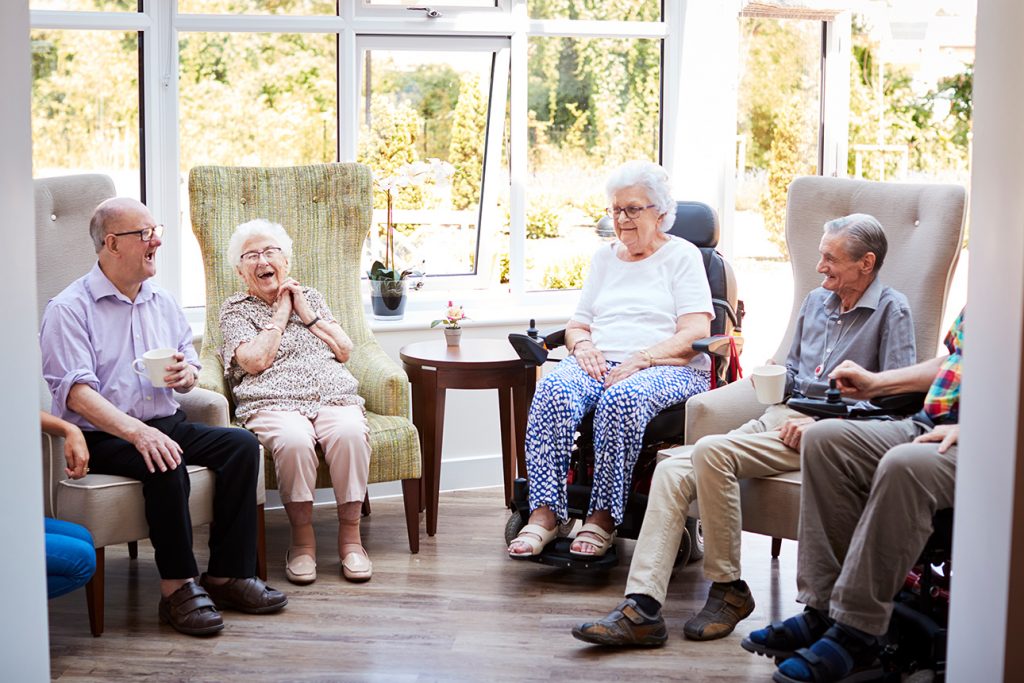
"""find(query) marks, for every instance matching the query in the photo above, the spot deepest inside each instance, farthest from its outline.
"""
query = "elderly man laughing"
(91, 333)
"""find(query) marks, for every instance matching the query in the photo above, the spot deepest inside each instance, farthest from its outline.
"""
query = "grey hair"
(259, 227)
(105, 212)
(653, 179)
(865, 234)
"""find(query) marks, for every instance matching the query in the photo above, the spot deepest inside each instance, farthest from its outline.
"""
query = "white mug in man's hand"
(769, 383)
(153, 365)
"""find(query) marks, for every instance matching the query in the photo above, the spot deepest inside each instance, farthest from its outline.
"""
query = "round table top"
(480, 353)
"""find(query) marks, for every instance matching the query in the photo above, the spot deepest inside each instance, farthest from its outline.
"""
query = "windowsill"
(485, 309)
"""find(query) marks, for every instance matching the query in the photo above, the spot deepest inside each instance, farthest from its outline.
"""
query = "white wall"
(981, 641)
(24, 645)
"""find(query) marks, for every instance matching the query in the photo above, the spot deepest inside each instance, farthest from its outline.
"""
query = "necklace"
(827, 350)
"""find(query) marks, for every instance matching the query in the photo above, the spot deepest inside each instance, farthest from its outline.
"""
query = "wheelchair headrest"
(696, 222)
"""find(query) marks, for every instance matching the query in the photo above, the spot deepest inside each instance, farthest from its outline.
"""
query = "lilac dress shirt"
(90, 335)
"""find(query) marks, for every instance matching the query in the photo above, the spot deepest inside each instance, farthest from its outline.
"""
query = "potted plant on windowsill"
(388, 284)
(452, 330)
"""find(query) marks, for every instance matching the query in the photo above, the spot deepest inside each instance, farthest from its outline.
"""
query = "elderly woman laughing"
(644, 303)
(284, 357)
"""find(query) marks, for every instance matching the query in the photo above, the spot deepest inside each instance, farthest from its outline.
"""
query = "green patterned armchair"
(326, 209)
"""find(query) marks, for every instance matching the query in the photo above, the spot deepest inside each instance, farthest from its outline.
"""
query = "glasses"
(145, 234)
(267, 253)
(630, 211)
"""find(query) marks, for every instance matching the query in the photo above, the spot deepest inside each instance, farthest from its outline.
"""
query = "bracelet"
(647, 354)
(312, 322)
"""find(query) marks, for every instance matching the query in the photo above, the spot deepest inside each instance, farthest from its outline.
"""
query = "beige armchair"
(326, 209)
(924, 225)
(111, 507)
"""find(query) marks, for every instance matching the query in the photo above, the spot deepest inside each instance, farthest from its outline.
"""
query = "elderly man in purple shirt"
(91, 332)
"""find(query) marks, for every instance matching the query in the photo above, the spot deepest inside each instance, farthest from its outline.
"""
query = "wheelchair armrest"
(900, 404)
(553, 340)
(718, 345)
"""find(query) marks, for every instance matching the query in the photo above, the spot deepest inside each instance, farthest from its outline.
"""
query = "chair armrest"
(205, 406)
(718, 345)
(53, 471)
(382, 382)
(720, 410)
(211, 377)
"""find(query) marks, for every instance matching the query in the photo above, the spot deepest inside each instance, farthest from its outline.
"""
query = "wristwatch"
(273, 326)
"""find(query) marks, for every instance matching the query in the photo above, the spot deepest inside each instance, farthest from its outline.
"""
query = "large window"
(85, 105)
(532, 114)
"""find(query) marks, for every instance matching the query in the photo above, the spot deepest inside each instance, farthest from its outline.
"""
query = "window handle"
(431, 12)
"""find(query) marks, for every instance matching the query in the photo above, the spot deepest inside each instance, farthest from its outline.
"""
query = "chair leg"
(411, 498)
(94, 595)
(776, 546)
(366, 505)
(261, 543)
(133, 550)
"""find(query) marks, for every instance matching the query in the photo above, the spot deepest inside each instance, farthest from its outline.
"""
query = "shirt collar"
(869, 299)
(100, 286)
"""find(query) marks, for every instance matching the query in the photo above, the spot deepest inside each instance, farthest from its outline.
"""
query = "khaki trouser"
(866, 509)
(291, 438)
(709, 471)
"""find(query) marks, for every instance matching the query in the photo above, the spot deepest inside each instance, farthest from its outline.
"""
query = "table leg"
(508, 443)
(522, 396)
(434, 484)
(424, 423)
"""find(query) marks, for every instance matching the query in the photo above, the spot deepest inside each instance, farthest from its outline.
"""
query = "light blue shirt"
(91, 333)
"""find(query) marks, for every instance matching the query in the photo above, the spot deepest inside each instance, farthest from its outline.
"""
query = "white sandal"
(597, 537)
(535, 536)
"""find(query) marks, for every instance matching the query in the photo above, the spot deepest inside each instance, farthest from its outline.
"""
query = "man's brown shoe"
(191, 611)
(245, 595)
(727, 605)
(625, 626)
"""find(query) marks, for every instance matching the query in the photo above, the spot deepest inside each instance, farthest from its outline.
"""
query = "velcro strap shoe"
(190, 610)
(625, 626)
(245, 595)
(727, 605)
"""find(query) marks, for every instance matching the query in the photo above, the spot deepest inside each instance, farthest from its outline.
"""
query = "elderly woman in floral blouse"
(284, 357)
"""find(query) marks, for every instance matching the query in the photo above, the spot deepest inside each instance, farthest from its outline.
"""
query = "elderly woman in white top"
(284, 357)
(644, 303)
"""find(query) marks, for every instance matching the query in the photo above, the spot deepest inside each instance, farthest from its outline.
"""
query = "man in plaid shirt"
(870, 490)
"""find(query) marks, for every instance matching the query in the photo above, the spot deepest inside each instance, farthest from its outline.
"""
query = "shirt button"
(149, 398)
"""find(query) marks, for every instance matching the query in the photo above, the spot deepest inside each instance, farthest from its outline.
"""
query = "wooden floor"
(457, 611)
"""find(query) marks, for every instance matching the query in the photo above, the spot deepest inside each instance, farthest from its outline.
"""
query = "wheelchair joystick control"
(532, 332)
(832, 394)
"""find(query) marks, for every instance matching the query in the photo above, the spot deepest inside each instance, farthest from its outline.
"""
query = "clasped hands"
(594, 364)
(290, 297)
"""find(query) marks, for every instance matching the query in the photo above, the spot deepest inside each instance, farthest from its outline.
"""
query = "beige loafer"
(300, 570)
(356, 567)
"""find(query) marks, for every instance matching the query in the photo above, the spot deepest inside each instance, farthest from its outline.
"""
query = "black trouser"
(232, 454)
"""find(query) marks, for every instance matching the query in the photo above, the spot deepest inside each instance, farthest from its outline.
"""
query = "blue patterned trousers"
(621, 414)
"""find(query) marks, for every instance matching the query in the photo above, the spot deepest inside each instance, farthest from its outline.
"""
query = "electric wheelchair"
(916, 641)
(697, 223)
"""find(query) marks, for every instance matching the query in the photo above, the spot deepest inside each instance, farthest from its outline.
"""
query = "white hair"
(259, 227)
(650, 177)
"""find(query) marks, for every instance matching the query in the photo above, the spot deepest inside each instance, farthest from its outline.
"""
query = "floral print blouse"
(304, 375)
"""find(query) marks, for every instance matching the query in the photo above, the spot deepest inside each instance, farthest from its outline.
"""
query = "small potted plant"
(452, 317)
(388, 284)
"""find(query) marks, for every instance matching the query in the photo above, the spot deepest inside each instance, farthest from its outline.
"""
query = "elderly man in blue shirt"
(91, 333)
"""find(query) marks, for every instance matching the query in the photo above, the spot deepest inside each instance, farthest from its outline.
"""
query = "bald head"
(111, 214)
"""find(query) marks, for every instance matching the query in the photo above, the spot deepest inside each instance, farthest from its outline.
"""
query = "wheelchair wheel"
(685, 548)
(696, 530)
(921, 676)
(513, 526)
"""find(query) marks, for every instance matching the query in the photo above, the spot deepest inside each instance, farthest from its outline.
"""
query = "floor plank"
(457, 611)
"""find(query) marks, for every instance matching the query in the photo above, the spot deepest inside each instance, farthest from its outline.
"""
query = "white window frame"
(160, 24)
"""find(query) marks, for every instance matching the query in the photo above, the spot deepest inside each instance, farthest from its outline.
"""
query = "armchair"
(326, 209)
(924, 225)
(111, 507)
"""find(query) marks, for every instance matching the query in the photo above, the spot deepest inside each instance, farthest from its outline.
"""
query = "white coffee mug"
(769, 383)
(153, 365)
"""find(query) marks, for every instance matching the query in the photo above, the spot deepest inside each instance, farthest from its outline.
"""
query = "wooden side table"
(434, 368)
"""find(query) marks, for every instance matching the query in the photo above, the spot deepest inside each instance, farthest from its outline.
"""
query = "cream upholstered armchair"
(924, 225)
(326, 209)
(111, 507)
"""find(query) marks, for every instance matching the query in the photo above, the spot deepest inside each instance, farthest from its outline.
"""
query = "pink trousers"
(291, 437)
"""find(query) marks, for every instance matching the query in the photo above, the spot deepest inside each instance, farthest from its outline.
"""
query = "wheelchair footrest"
(556, 554)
